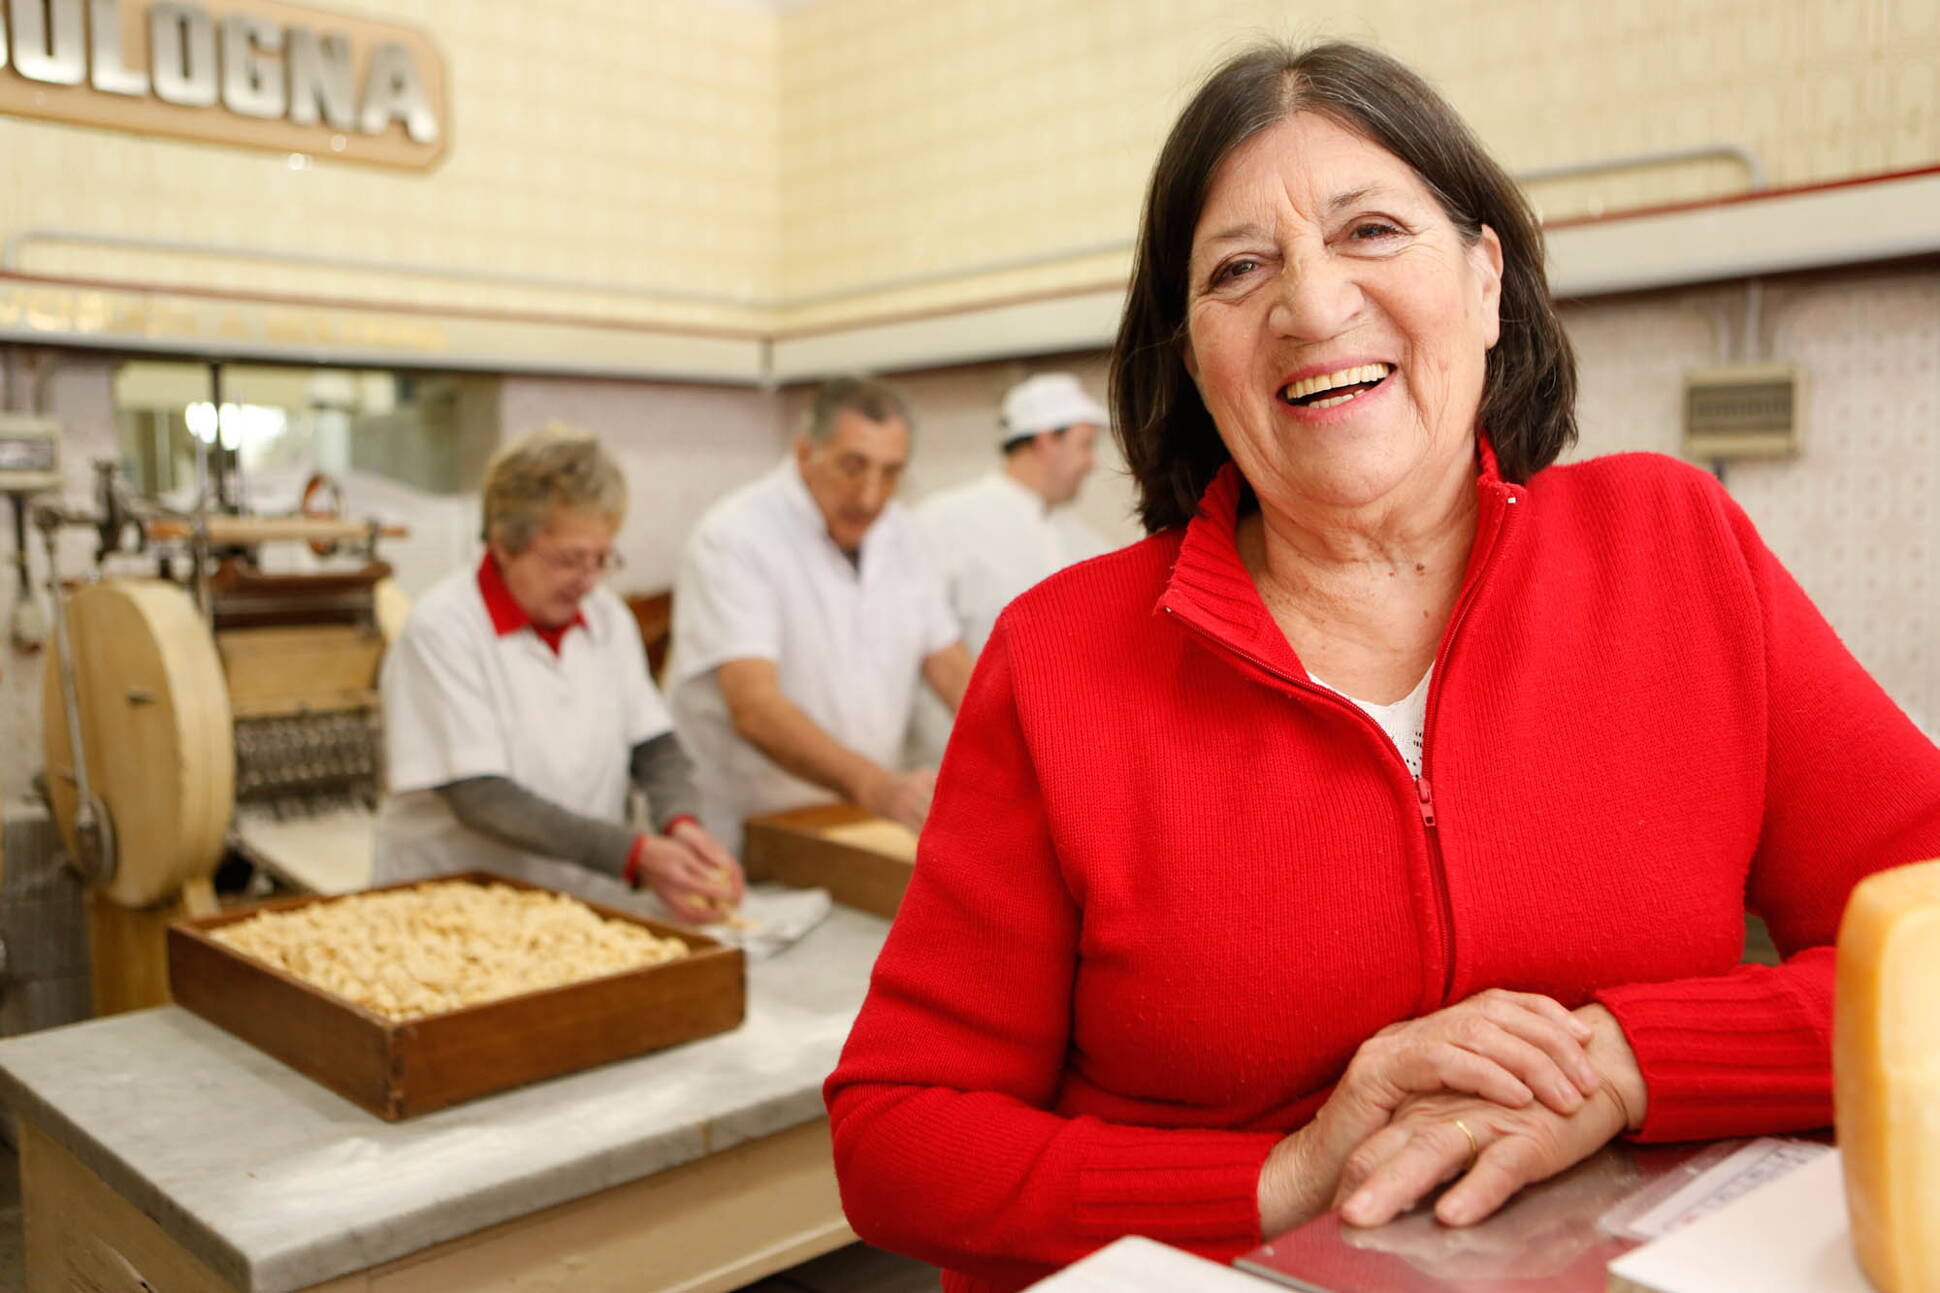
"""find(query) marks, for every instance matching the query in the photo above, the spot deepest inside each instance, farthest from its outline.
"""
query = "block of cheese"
(1886, 1074)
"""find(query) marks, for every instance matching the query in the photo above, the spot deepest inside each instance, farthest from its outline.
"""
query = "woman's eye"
(1233, 269)
(1373, 231)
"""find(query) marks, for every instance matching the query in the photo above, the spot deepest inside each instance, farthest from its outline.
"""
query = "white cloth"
(761, 579)
(1405, 721)
(461, 701)
(989, 540)
(771, 918)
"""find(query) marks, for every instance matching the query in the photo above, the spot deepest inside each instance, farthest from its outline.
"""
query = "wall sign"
(257, 73)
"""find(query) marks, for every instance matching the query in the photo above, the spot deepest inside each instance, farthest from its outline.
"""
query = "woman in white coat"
(519, 713)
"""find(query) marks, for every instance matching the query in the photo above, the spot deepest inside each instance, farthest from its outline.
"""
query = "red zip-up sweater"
(1169, 884)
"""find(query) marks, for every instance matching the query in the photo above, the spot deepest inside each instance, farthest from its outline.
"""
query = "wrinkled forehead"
(1307, 167)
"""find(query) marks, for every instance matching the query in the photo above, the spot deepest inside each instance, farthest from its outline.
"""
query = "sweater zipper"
(1424, 789)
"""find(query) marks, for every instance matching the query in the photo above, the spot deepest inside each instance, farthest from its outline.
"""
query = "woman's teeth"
(1308, 391)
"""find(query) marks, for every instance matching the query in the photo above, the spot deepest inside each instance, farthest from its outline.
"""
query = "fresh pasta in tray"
(408, 953)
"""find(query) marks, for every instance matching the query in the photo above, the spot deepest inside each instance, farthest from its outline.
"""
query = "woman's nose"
(1316, 298)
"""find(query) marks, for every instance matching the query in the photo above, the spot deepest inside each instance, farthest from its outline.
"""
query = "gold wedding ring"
(1474, 1148)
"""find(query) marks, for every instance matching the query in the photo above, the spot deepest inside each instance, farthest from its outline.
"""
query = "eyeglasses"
(582, 563)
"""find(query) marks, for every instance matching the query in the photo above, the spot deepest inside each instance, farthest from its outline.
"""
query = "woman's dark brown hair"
(1170, 443)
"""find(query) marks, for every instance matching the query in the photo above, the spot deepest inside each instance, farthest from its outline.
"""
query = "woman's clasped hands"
(1501, 1090)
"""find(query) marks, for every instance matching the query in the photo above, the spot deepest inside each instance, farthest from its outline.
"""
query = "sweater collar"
(1211, 590)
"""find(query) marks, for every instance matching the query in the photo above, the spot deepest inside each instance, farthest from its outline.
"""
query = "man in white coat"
(994, 537)
(805, 619)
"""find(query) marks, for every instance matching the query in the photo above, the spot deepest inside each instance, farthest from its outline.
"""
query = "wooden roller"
(154, 715)
(235, 531)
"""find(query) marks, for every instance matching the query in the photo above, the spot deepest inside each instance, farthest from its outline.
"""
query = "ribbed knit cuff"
(1742, 1054)
(1175, 1186)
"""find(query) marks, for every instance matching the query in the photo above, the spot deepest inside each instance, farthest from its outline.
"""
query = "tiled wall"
(681, 447)
(715, 147)
(919, 138)
(630, 145)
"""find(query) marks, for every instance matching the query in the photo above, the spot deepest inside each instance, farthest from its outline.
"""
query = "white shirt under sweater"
(1404, 721)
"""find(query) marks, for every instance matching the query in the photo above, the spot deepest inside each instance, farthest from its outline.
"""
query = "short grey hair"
(531, 478)
(864, 395)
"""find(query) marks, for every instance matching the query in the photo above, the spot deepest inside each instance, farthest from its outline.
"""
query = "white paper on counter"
(1789, 1236)
(1716, 1184)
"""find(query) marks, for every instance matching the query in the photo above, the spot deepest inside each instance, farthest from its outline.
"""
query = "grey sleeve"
(501, 809)
(662, 769)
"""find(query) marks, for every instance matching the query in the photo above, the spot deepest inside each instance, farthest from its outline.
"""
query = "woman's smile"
(1311, 397)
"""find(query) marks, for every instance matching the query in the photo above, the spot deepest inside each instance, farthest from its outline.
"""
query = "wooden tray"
(793, 847)
(398, 1069)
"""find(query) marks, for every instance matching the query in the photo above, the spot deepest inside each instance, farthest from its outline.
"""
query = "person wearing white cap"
(995, 536)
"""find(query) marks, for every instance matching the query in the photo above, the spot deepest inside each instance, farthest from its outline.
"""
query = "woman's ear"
(1485, 258)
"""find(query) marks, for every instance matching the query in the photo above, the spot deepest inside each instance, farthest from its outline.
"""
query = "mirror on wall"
(430, 432)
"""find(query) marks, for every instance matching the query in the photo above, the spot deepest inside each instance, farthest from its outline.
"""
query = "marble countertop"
(276, 1183)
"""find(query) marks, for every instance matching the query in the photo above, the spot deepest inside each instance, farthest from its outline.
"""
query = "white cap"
(1049, 402)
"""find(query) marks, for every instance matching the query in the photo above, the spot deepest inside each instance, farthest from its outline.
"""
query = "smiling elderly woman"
(1389, 814)
(518, 711)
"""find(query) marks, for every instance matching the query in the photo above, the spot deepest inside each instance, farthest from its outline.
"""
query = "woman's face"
(550, 579)
(1338, 324)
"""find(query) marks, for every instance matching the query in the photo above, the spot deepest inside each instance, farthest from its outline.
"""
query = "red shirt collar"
(507, 615)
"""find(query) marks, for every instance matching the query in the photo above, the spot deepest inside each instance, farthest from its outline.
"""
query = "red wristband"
(672, 822)
(631, 871)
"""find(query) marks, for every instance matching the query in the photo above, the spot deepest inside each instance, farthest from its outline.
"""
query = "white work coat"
(993, 538)
(463, 700)
(989, 540)
(761, 579)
